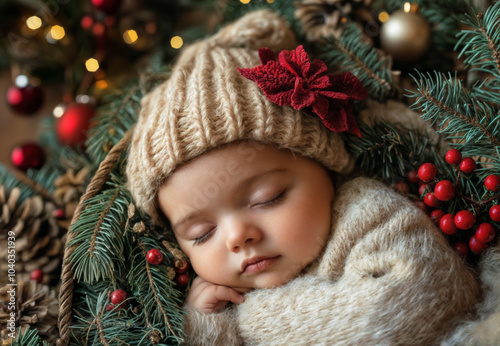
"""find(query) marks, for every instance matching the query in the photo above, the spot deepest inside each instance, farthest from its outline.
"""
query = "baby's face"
(248, 215)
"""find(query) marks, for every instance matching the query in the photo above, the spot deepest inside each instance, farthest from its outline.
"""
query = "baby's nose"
(240, 234)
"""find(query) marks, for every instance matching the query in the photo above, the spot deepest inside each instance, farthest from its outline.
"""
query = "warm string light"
(57, 32)
(244, 1)
(92, 65)
(130, 36)
(34, 22)
(176, 42)
(407, 7)
(383, 17)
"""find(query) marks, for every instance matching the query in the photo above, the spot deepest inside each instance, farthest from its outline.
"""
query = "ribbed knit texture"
(206, 103)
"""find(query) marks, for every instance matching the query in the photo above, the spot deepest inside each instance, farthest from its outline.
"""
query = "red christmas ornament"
(485, 232)
(118, 297)
(26, 156)
(468, 165)
(464, 219)
(26, 100)
(492, 182)
(73, 125)
(476, 245)
(37, 275)
(402, 187)
(108, 6)
(427, 172)
(423, 188)
(412, 177)
(444, 190)
(154, 256)
(436, 215)
(447, 224)
(453, 156)
(181, 266)
(462, 248)
(431, 200)
(495, 213)
(182, 279)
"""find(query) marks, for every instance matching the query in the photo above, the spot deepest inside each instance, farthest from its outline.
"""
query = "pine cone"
(68, 190)
(320, 18)
(35, 305)
(38, 237)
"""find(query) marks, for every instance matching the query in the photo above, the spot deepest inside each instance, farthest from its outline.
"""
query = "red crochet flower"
(292, 80)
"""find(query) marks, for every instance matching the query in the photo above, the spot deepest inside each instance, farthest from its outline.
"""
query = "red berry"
(436, 215)
(421, 205)
(492, 182)
(181, 266)
(109, 307)
(37, 275)
(495, 213)
(427, 172)
(118, 297)
(423, 188)
(182, 279)
(464, 219)
(476, 245)
(412, 177)
(444, 190)
(447, 224)
(154, 256)
(431, 200)
(485, 232)
(462, 248)
(402, 187)
(453, 156)
(468, 165)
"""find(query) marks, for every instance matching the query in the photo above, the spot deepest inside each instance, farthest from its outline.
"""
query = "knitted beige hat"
(207, 103)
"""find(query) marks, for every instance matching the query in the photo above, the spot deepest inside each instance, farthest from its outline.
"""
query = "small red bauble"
(468, 165)
(26, 100)
(444, 190)
(181, 266)
(118, 297)
(154, 256)
(26, 156)
(462, 248)
(431, 200)
(464, 219)
(423, 188)
(476, 245)
(453, 156)
(436, 215)
(402, 187)
(37, 275)
(73, 125)
(182, 279)
(485, 232)
(87, 22)
(495, 213)
(108, 6)
(492, 182)
(412, 177)
(447, 224)
(427, 172)
(58, 214)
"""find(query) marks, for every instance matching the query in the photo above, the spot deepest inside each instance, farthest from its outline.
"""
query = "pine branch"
(30, 337)
(154, 289)
(451, 108)
(358, 57)
(482, 44)
(115, 118)
(98, 235)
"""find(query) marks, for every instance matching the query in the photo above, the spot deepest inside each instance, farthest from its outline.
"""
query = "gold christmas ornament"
(406, 36)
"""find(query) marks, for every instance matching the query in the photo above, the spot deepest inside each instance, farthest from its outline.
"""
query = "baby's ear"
(258, 29)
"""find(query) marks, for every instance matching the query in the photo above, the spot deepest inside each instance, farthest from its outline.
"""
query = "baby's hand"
(207, 298)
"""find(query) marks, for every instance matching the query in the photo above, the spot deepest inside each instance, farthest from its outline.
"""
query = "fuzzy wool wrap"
(387, 276)
(206, 103)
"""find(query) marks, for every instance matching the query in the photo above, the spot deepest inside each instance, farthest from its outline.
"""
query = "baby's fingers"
(223, 293)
